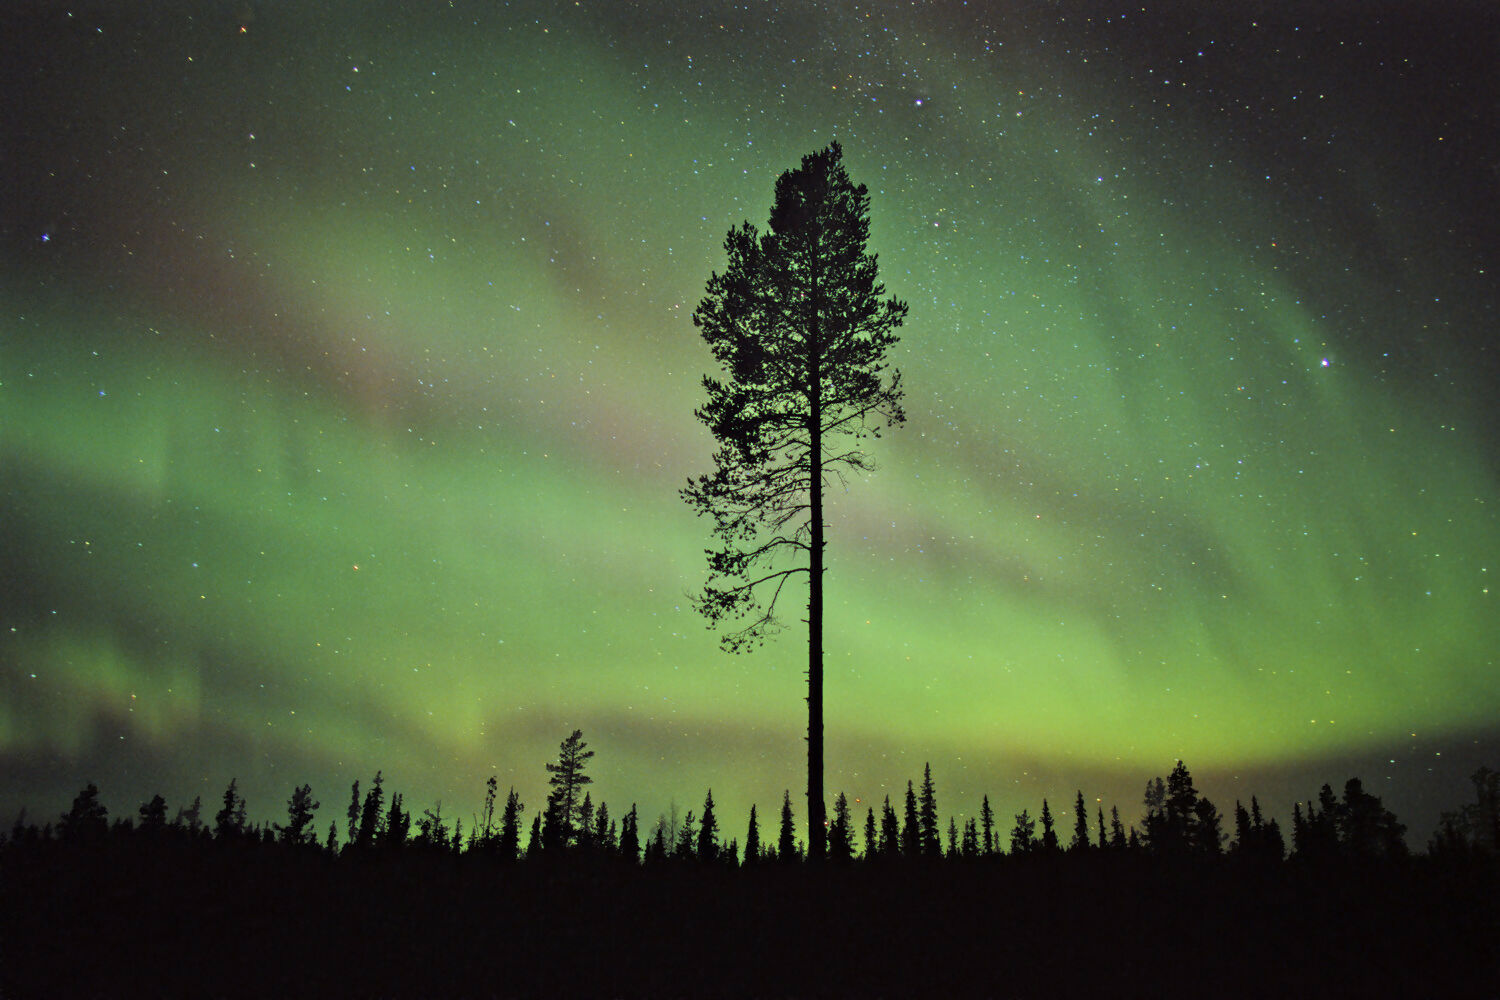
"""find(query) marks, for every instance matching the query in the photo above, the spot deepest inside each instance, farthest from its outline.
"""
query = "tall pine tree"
(798, 324)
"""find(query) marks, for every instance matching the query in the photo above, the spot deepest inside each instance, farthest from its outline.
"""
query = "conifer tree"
(970, 846)
(752, 839)
(708, 831)
(685, 848)
(567, 779)
(601, 838)
(398, 824)
(534, 841)
(798, 324)
(841, 831)
(484, 824)
(509, 843)
(1206, 833)
(1103, 837)
(911, 834)
(987, 823)
(88, 819)
(1049, 833)
(890, 831)
(331, 845)
(153, 815)
(786, 842)
(1023, 834)
(1116, 830)
(585, 829)
(1080, 841)
(353, 813)
(630, 836)
(230, 820)
(370, 813)
(299, 812)
(932, 844)
(190, 815)
(872, 838)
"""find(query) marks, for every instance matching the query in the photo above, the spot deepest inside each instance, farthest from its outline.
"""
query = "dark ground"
(126, 919)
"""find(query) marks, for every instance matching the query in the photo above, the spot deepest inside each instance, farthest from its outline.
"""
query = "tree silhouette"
(708, 831)
(786, 841)
(911, 835)
(87, 821)
(752, 839)
(567, 779)
(353, 812)
(153, 815)
(799, 327)
(509, 841)
(299, 812)
(987, 823)
(230, 820)
(630, 836)
(890, 831)
(1080, 841)
(370, 813)
(1049, 830)
(927, 818)
(872, 837)
(841, 831)
(1023, 834)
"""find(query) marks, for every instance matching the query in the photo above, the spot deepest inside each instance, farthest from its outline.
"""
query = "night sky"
(347, 377)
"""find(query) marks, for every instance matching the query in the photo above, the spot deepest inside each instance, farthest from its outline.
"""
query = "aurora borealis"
(347, 377)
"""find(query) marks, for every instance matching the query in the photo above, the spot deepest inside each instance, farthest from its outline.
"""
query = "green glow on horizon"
(366, 455)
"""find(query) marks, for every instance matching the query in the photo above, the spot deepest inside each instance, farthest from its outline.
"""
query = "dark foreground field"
(120, 920)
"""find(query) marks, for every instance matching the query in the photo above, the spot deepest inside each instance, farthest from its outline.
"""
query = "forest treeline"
(1178, 821)
(573, 898)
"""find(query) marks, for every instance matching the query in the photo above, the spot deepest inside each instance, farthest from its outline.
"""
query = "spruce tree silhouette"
(927, 818)
(798, 324)
(508, 843)
(567, 779)
(786, 841)
(1080, 841)
(708, 831)
(299, 812)
(752, 839)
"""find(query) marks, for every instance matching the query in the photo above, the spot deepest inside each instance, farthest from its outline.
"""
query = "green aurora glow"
(346, 378)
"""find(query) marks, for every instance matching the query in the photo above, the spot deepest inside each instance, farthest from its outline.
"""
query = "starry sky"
(347, 377)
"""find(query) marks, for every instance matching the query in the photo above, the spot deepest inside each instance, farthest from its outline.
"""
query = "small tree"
(509, 842)
(708, 831)
(786, 841)
(371, 813)
(299, 818)
(87, 821)
(230, 820)
(567, 780)
(927, 818)
(1080, 841)
(799, 327)
(153, 815)
(353, 813)
(1049, 831)
(1023, 834)
(987, 823)
(911, 833)
(841, 831)
(752, 839)
(872, 838)
(630, 836)
(890, 831)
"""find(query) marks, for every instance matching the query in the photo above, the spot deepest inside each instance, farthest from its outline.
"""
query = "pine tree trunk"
(815, 830)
